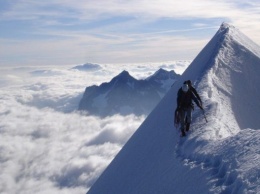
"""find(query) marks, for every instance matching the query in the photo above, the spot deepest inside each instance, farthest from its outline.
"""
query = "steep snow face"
(230, 86)
(218, 156)
(240, 58)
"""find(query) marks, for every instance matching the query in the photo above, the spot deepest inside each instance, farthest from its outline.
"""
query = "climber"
(193, 90)
(185, 97)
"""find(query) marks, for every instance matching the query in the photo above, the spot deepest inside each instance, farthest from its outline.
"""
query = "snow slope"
(220, 156)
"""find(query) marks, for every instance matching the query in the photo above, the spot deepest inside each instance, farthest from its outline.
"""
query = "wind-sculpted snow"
(218, 156)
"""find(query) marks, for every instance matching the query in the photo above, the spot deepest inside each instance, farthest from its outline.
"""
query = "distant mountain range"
(126, 95)
(87, 67)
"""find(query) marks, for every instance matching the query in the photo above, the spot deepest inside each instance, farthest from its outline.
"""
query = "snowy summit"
(218, 156)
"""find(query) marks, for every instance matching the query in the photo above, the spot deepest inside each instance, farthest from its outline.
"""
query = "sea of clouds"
(46, 145)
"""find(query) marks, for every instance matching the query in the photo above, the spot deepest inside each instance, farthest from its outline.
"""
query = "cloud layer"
(47, 146)
(44, 150)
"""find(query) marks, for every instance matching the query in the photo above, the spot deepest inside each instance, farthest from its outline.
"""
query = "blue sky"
(66, 32)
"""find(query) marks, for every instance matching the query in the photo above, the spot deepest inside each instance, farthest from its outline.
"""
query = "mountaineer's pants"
(183, 114)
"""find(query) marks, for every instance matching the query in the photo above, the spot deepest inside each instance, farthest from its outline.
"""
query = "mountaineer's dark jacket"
(184, 100)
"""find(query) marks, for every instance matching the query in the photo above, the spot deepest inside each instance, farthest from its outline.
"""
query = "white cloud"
(48, 147)
(44, 150)
(88, 10)
(114, 31)
(138, 48)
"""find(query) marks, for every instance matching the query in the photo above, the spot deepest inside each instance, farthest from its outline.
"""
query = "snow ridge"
(220, 156)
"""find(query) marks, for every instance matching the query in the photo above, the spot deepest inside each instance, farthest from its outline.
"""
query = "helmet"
(185, 88)
(187, 82)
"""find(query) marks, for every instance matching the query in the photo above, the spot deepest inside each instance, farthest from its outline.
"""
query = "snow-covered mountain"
(218, 156)
(125, 95)
(163, 79)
